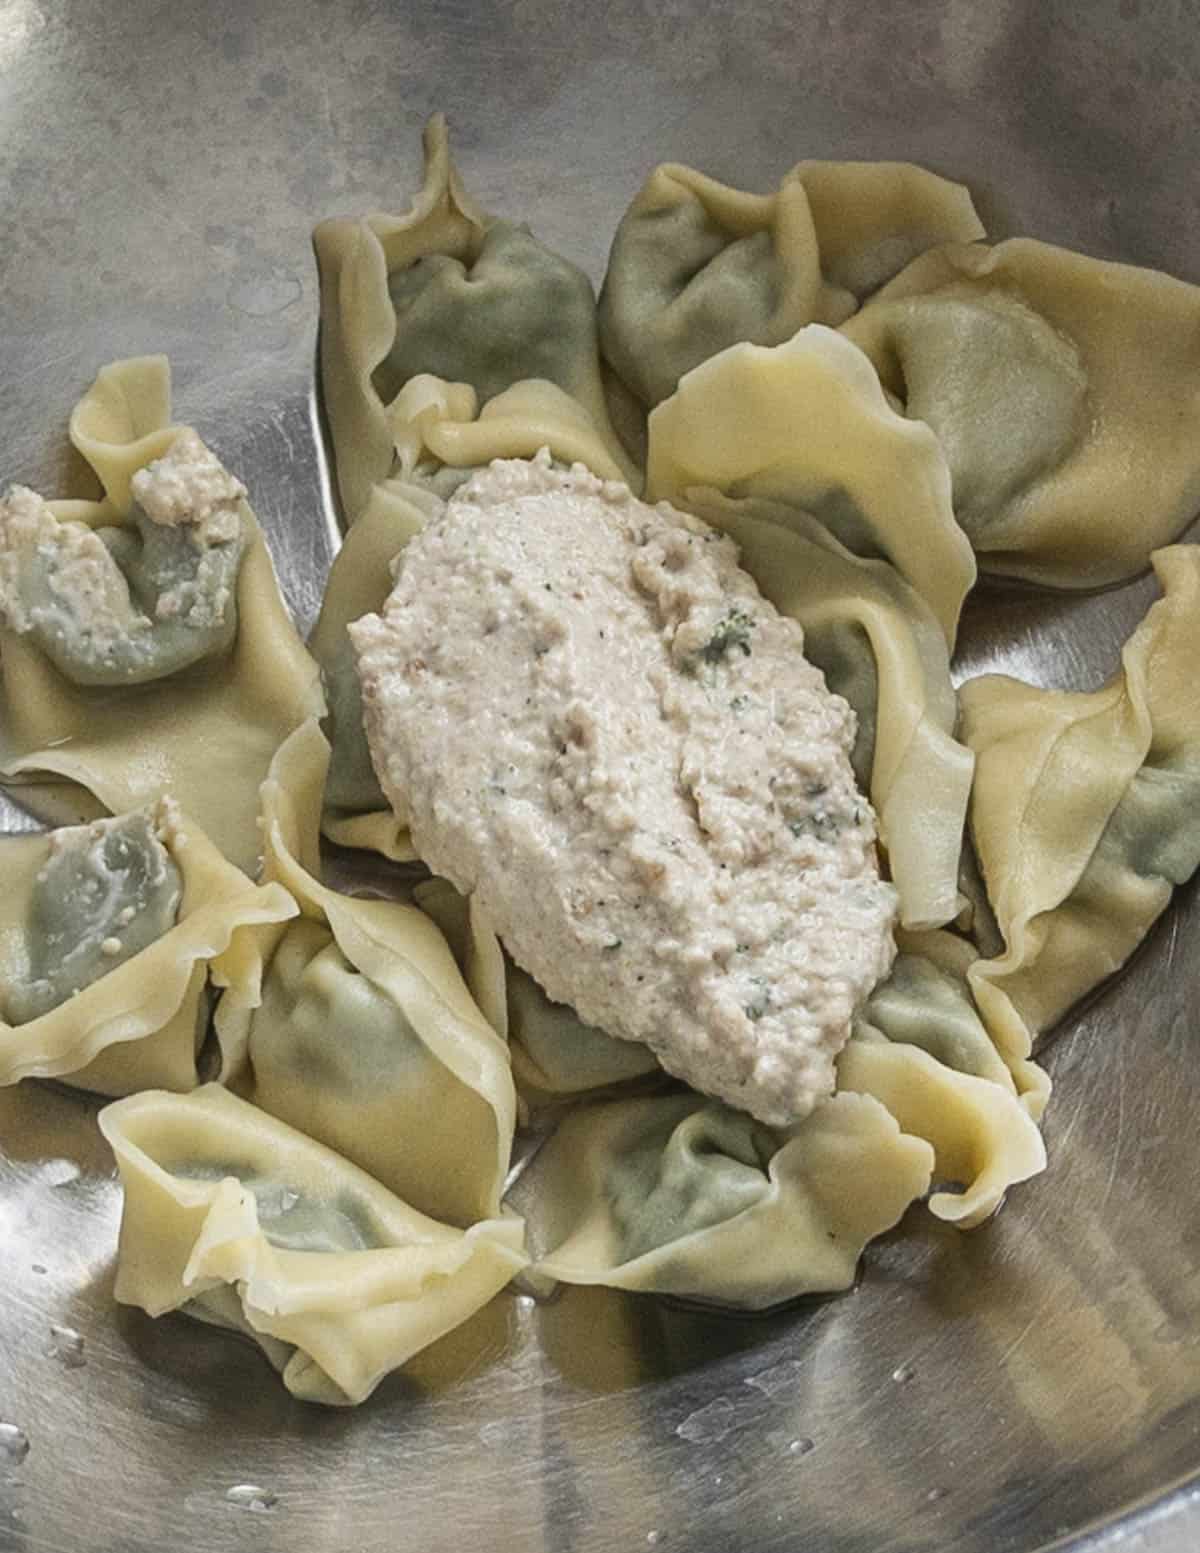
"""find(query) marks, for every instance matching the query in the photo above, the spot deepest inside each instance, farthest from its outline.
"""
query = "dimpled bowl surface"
(1033, 1385)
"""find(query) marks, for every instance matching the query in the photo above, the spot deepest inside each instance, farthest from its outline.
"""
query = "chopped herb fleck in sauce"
(733, 631)
(820, 824)
(759, 1002)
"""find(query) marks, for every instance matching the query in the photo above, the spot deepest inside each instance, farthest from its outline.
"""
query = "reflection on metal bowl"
(1033, 1381)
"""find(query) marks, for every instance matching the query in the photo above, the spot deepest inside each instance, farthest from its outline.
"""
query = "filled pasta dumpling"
(1084, 810)
(683, 1195)
(109, 934)
(366, 1037)
(697, 266)
(1063, 391)
(125, 605)
(239, 1220)
(446, 291)
(144, 645)
(679, 1194)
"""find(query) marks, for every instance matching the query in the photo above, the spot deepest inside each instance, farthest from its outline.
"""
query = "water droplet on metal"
(66, 1345)
(802, 1447)
(249, 1496)
(653, 1538)
(14, 1445)
(708, 1424)
(903, 1373)
(261, 292)
(779, 1378)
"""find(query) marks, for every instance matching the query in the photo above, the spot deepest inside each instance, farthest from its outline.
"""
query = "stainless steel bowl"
(162, 165)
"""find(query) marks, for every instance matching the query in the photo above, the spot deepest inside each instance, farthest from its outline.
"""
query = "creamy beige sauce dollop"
(596, 724)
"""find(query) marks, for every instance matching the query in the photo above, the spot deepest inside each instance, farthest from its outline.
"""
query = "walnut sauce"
(596, 724)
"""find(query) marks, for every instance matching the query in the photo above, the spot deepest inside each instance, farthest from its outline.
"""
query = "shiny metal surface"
(1034, 1384)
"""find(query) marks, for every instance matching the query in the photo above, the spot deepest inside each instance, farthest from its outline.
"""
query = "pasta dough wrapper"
(356, 814)
(879, 646)
(944, 1077)
(980, 1133)
(806, 424)
(238, 1219)
(697, 266)
(930, 1001)
(682, 1195)
(922, 1048)
(367, 1037)
(442, 435)
(1083, 811)
(1064, 392)
(205, 735)
(123, 423)
(874, 218)
(141, 1023)
(444, 253)
(926, 1001)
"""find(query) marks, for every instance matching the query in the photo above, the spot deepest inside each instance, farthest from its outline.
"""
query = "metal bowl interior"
(1037, 1380)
